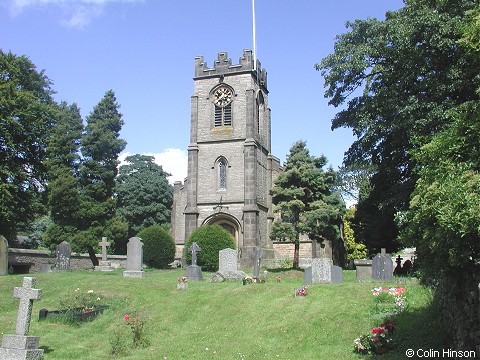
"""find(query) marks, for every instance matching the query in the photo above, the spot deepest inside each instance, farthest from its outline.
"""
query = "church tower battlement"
(223, 66)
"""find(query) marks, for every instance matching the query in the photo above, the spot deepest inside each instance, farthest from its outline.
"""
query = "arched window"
(222, 174)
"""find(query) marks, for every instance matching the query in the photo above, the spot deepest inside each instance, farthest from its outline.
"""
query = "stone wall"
(33, 261)
(285, 250)
(458, 297)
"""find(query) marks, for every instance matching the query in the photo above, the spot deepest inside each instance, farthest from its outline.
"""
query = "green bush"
(211, 239)
(158, 247)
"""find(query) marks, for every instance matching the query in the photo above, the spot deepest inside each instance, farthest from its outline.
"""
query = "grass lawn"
(221, 320)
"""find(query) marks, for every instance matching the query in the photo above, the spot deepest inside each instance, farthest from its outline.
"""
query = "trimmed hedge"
(211, 239)
(158, 247)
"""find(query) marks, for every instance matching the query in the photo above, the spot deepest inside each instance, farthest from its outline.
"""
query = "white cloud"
(76, 13)
(173, 161)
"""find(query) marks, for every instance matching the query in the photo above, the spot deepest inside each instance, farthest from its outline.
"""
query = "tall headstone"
(134, 258)
(257, 255)
(104, 264)
(320, 272)
(194, 272)
(382, 266)
(337, 274)
(227, 267)
(64, 251)
(227, 260)
(3, 256)
(21, 346)
(104, 244)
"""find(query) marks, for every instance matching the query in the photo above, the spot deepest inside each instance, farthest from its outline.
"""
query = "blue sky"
(144, 50)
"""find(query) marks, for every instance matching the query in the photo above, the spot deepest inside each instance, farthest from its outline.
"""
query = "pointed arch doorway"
(228, 222)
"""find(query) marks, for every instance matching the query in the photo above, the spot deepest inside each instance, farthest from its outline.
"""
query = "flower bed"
(392, 291)
(378, 341)
(78, 314)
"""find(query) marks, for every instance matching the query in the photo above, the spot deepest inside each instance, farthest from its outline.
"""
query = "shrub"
(211, 239)
(158, 247)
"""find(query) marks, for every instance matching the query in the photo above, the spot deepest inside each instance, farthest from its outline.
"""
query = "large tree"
(63, 162)
(100, 145)
(144, 196)
(27, 113)
(398, 79)
(303, 196)
(444, 215)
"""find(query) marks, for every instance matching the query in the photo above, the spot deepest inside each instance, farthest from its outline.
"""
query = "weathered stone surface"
(257, 255)
(222, 276)
(19, 354)
(134, 258)
(21, 346)
(363, 270)
(227, 260)
(382, 266)
(64, 251)
(3, 256)
(322, 271)
(194, 272)
(337, 274)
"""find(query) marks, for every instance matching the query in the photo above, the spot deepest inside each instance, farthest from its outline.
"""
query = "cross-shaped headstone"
(398, 260)
(104, 245)
(26, 294)
(256, 255)
(193, 250)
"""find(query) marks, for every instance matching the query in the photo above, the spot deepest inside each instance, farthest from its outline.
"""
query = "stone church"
(230, 165)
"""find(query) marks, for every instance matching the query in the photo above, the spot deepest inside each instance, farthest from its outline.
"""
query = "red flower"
(126, 317)
(379, 330)
(375, 340)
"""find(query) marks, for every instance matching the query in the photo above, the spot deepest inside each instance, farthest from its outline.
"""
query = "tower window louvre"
(223, 115)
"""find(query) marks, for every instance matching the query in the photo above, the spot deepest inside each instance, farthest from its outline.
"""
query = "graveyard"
(220, 320)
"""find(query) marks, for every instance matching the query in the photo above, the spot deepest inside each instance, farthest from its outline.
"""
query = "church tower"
(230, 167)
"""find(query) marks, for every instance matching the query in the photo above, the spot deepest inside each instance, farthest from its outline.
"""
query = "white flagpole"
(254, 37)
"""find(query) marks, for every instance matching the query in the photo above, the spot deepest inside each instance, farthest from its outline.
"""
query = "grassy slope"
(220, 320)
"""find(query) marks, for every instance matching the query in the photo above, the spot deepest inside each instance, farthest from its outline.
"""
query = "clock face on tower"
(222, 96)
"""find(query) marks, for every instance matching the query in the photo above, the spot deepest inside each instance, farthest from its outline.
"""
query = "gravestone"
(382, 266)
(363, 270)
(337, 274)
(227, 267)
(227, 260)
(194, 272)
(64, 251)
(104, 264)
(3, 256)
(257, 255)
(134, 258)
(320, 272)
(21, 345)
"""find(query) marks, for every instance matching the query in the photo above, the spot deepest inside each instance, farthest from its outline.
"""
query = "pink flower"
(126, 317)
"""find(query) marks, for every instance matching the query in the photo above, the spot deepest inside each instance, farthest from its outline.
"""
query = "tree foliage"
(63, 161)
(158, 246)
(211, 239)
(398, 79)
(144, 196)
(303, 195)
(27, 113)
(444, 215)
(355, 250)
(100, 145)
